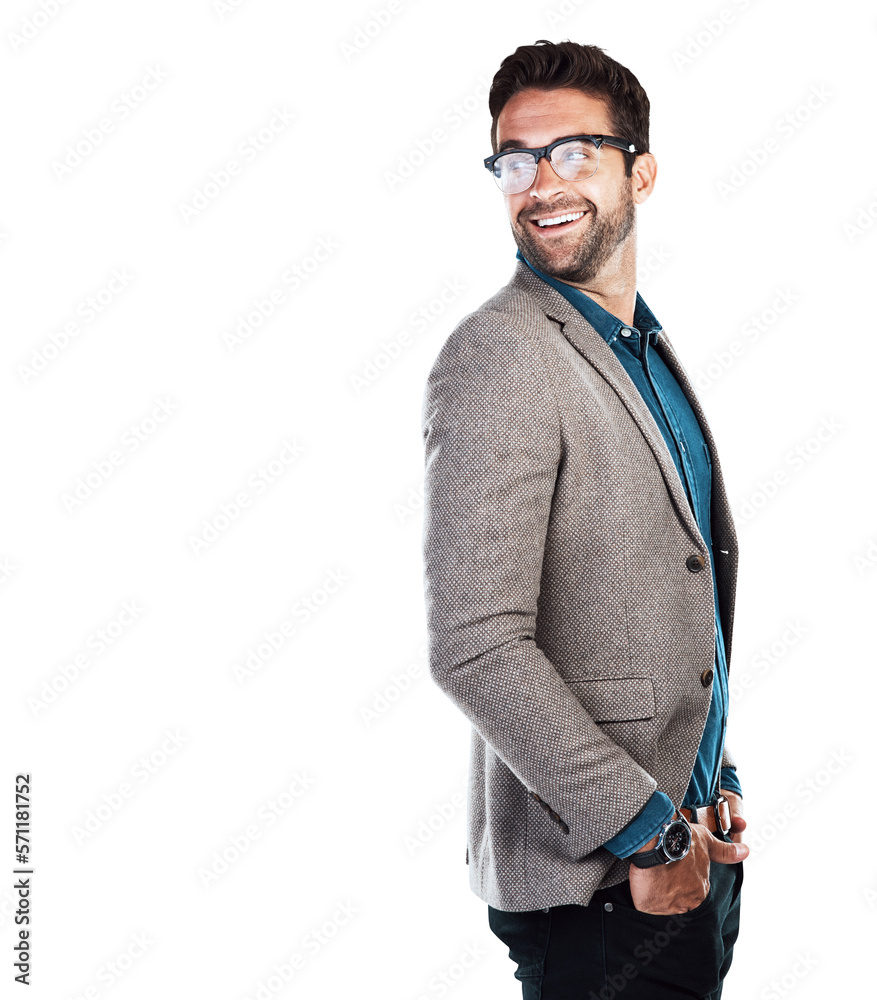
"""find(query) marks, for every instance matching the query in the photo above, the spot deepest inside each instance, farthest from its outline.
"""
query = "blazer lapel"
(585, 339)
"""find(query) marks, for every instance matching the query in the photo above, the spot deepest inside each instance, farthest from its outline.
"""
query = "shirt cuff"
(643, 827)
(728, 779)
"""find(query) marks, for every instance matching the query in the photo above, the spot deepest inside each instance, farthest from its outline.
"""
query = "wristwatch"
(674, 841)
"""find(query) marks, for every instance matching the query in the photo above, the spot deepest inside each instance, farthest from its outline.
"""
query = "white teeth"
(560, 218)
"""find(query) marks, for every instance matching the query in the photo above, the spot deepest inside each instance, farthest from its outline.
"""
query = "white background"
(358, 866)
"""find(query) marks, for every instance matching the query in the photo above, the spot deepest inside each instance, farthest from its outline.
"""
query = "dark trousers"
(609, 950)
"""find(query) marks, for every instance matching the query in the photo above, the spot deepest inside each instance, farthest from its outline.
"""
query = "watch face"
(677, 840)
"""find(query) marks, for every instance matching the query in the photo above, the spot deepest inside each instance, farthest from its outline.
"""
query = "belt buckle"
(722, 813)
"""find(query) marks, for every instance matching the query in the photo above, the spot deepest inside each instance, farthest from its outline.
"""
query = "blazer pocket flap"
(616, 699)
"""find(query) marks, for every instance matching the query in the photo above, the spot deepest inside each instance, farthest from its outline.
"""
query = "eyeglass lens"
(575, 160)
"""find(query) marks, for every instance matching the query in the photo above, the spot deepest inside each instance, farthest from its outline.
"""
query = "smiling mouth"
(556, 223)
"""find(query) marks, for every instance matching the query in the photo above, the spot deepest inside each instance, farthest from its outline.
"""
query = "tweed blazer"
(569, 598)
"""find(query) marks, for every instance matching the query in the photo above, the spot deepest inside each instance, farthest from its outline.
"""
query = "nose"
(546, 182)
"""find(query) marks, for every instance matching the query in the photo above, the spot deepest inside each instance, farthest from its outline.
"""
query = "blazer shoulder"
(508, 319)
(490, 361)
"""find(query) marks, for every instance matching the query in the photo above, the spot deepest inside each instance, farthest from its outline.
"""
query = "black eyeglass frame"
(598, 140)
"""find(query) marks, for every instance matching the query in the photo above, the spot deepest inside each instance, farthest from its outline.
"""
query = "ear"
(645, 170)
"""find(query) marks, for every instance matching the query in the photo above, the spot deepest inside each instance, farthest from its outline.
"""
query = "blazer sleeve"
(493, 445)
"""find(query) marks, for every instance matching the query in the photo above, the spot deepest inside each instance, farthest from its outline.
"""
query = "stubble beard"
(584, 259)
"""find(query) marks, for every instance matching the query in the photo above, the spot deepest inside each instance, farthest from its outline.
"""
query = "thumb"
(725, 853)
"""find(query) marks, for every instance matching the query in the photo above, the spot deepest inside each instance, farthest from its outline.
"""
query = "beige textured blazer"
(569, 597)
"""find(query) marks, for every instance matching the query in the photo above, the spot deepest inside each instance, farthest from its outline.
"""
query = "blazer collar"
(608, 326)
(588, 342)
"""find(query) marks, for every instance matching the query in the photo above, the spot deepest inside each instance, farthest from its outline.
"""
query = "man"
(580, 570)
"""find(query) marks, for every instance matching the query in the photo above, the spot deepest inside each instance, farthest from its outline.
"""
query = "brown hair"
(550, 65)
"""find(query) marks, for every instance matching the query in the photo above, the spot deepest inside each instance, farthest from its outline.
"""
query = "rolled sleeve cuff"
(728, 780)
(643, 827)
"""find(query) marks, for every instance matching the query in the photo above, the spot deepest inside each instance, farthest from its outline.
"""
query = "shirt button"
(625, 332)
(695, 563)
(607, 907)
(706, 678)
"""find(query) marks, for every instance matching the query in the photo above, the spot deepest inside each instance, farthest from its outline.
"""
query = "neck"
(614, 288)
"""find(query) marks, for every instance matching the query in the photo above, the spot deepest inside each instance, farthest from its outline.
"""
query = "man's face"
(575, 251)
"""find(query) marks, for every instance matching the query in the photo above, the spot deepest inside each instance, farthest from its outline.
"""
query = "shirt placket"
(690, 481)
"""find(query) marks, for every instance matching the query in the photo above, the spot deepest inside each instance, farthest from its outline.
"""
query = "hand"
(738, 824)
(682, 885)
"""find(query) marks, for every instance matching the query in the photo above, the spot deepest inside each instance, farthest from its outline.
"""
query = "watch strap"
(648, 859)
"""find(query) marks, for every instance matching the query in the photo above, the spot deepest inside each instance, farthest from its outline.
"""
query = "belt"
(716, 816)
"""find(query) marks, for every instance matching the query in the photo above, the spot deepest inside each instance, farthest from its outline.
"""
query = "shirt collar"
(604, 322)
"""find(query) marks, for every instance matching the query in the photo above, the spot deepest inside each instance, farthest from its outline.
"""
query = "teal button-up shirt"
(685, 441)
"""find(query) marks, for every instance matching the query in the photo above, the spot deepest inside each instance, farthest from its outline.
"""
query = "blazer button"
(695, 563)
(706, 678)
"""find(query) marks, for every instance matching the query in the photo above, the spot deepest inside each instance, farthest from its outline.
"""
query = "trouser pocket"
(673, 955)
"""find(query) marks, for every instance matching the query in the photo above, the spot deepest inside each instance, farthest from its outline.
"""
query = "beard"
(581, 257)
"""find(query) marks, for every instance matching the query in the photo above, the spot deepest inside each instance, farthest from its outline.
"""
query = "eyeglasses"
(575, 158)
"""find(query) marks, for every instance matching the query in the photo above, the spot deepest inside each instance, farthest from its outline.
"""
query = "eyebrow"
(518, 143)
